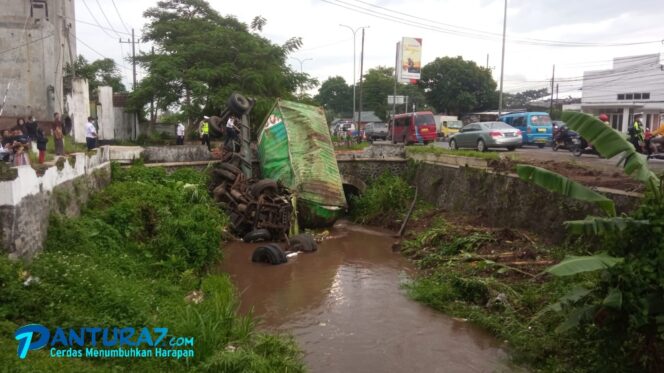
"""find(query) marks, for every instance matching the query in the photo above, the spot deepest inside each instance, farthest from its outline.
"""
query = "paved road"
(534, 153)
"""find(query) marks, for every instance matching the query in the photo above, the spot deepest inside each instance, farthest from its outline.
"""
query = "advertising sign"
(410, 59)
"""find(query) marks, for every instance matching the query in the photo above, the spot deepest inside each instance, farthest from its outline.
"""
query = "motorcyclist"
(657, 140)
(635, 132)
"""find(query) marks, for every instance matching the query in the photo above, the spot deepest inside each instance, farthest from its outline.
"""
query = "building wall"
(44, 45)
(78, 103)
(630, 75)
(105, 113)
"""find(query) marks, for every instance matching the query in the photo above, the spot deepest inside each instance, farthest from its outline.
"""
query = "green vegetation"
(431, 149)
(139, 249)
(385, 201)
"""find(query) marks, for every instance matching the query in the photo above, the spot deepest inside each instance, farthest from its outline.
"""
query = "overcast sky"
(468, 28)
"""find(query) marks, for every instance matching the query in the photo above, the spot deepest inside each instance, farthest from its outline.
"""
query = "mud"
(346, 308)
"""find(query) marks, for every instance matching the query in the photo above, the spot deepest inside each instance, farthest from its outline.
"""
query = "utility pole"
(553, 78)
(354, 31)
(133, 54)
(487, 61)
(301, 68)
(133, 62)
(394, 97)
(359, 114)
(502, 63)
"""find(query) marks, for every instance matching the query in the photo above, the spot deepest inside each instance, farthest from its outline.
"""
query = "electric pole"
(133, 62)
(133, 54)
(502, 63)
(553, 78)
(359, 114)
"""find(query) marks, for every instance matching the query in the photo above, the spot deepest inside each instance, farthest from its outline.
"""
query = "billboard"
(409, 57)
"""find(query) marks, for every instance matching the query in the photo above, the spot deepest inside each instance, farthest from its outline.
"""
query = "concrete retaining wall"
(369, 169)
(504, 200)
(27, 201)
(160, 154)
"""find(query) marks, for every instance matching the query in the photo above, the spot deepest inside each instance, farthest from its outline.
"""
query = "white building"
(635, 85)
(37, 40)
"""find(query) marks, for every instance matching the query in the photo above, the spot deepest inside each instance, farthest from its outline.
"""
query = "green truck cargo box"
(294, 147)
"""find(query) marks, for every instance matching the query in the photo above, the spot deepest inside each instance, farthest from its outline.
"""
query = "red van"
(413, 128)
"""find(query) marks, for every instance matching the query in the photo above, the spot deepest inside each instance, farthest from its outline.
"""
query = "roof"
(367, 116)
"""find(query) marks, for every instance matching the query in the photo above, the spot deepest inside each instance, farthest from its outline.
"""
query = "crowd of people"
(28, 136)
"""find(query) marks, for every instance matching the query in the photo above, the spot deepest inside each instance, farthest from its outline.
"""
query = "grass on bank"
(137, 250)
(431, 149)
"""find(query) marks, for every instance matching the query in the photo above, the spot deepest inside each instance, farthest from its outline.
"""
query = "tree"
(336, 96)
(379, 83)
(102, 72)
(520, 100)
(201, 57)
(455, 86)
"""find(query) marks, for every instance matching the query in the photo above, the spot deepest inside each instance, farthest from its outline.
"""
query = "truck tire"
(257, 235)
(268, 254)
(262, 186)
(303, 242)
(229, 167)
(280, 251)
(238, 103)
(226, 174)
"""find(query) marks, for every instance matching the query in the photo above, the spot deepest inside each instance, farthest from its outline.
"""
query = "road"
(546, 154)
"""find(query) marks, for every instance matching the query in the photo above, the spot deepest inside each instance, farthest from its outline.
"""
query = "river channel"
(345, 306)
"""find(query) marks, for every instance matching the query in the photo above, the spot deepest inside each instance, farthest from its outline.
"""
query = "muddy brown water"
(346, 308)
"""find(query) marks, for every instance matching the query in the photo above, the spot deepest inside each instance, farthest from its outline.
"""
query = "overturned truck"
(295, 149)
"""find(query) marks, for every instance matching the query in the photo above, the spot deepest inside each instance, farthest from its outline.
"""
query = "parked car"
(411, 128)
(536, 127)
(376, 131)
(485, 135)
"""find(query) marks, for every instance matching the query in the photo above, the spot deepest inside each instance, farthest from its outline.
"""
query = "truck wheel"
(263, 186)
(303, 242)
(540, 145)
(226, 174)
(257, 235)
(268, 254)
(510, 148)
(238, 103)
(230, 167)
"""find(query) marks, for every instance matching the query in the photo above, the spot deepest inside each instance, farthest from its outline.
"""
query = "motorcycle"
(584, 148)
(564, 138)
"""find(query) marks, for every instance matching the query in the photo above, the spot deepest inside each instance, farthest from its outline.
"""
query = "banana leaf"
(610, 143)
(613, 299)
(575, 316)
(562, 185)
(597, 226)
(573, 265)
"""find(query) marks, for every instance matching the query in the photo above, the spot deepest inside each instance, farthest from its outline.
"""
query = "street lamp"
(301, 69)
(354, 31)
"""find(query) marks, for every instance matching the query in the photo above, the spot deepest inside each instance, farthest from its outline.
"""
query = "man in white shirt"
(90, 134)
(231, 131)
(180, 133)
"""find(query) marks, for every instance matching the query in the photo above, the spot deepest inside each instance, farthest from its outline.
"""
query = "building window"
(637, 96)
(621, 96)
(38, 9)
(629, 96)
(645, 96)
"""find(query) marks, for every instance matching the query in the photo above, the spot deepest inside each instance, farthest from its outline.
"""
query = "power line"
(106, 18)
(95, 25)
(119, 16)
(465, 32)
(99, 53)
(97, 22)
(24, 44)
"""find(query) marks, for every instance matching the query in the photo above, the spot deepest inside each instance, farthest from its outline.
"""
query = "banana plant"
(608, 143)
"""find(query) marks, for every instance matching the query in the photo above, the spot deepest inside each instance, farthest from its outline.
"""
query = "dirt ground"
(521, 254)
(582, 174)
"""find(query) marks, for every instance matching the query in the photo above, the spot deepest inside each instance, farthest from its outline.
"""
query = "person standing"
(231, 131)
(58, 135)
(179, 131)
(205, 132)
(41, 141)
(636, 133)
(90, 134)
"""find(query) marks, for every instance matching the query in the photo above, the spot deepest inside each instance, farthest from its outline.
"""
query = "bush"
(385, 201)
(139, 247)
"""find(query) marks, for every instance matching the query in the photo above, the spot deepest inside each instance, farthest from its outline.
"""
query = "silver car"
(485, 135)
